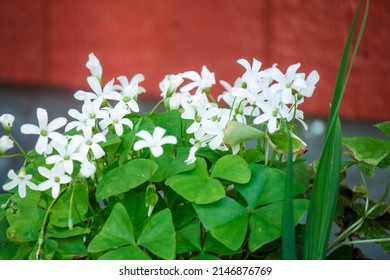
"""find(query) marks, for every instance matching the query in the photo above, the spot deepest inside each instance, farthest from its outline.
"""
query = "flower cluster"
(259, 97)
(264, 96)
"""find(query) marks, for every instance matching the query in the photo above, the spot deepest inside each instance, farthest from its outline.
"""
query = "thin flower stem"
(12, 156)
(155, 107)
(42, 231)
(70, 219)
(266, 152)
(18, 145)
(377, 240)
(354, 227)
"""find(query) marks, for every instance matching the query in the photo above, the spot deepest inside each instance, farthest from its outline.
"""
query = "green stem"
(42, 231)
(155, 107)
(377, 240)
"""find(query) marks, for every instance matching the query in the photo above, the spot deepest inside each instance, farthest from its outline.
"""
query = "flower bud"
(7, 120)
(5, 144)
(94, 66)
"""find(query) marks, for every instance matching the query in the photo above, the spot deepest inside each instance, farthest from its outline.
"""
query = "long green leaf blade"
(326, 185)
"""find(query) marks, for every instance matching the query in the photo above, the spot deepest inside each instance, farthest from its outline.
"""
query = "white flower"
(272, 111)
(203, 81)
(169, 84)
(87, 169)
(5, 144)
(125, 82)
(98, 91)
(66, 154)
(89, 114)
(45, 130)
(251, 71)
(128, 97)
(94, 66)
(7, 121)
(287, 83)
(154, 142)
(117, 119)
(90, 142)
(56, 177)
(311, 81)
(215, 129)
(21, 180)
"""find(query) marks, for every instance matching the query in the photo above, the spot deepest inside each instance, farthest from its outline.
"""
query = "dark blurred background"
(44, 46)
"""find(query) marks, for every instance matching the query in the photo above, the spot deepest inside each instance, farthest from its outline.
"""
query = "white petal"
(158, 133)
(22, 190)
(95, 85)
(41, 144)
(97, 151)
(140, 144)
(45, 185)
(260, 119)
(145, 135)
(53, 159)
(30, 129)
(56, 124)
(10, 185)
(42, 117)
(157, 151)
(119, 129)
(55, 190)
(168, 140)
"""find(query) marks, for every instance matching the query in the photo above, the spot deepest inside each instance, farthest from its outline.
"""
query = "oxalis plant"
(203, 179)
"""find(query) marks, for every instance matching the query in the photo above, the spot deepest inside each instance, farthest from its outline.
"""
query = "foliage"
(196, 181)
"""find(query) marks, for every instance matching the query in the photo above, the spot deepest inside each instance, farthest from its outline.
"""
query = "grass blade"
(326, 185)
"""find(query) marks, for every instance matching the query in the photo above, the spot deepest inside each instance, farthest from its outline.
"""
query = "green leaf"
(116, 232)
(341, 253)
(211, 245)
(124, 178)
(384, 127)
(265, 223)
(71, 248)
(236, 133)
(196, 189)
(66, 232)
(3, 199)
(371, 229)
(205, 256)
(169, 166)
(182, 215)
(266, 185)
(226, 220)
(367, 149)
(134, 203)
(25, 218)
(232, 168)
(126, 253)
(170, 121)
(60, 213)
(158, 235)
(48, 249)
(252, 155)
(188, 238)
(279, 141)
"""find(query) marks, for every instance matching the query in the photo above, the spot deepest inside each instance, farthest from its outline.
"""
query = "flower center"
(57, 179)
(44, 133)
(88, 142)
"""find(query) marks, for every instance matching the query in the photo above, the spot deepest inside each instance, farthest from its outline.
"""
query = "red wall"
(48, 42)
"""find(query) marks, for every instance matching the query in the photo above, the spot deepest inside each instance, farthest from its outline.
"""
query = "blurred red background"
(47, 43)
